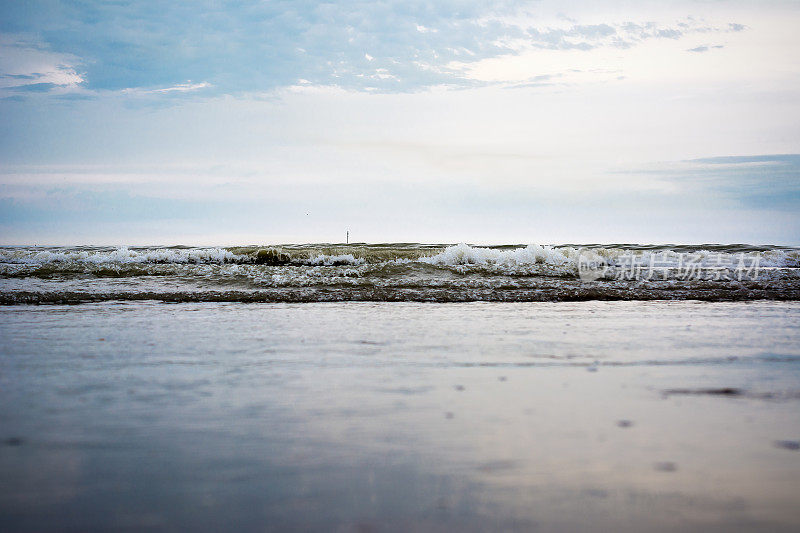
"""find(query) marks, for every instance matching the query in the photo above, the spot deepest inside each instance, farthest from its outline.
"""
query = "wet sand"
(616, 416)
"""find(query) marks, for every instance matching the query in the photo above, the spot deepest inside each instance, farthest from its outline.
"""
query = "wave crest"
(463, 254)
(121, 255)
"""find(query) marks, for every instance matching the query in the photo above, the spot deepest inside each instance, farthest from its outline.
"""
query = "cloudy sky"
(222, 122)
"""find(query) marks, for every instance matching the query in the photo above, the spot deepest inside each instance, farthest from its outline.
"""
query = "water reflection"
(399, 417)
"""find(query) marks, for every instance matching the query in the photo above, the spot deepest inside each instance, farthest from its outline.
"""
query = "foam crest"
(334, 260)
(531, 259)
(676, 258)
(463, 254)
(120, 255)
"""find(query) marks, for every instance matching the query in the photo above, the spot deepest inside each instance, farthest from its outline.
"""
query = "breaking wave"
(399, 272)
(453, 255)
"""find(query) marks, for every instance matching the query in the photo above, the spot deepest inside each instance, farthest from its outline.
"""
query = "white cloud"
(551, 132)
(643, 51)
(26, 64)
(179, 88)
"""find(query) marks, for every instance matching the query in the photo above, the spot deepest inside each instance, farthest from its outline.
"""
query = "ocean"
(400, 387)
(398, 272)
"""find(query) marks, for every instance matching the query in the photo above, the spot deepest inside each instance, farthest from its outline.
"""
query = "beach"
(400, 266)
(396, 416)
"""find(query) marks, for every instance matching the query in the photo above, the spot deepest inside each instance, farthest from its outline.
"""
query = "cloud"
(37, 87)
(258, 46)
(179, 88)
(152, 47)
(29, 65)
(758, 181)
(704, 48)
(784, 160)
(718, 200)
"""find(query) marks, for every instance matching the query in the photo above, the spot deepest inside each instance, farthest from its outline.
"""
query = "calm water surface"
(360, 416)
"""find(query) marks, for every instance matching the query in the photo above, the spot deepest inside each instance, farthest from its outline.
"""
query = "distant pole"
(348, 237)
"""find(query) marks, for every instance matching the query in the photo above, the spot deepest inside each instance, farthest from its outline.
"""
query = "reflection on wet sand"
(394, 417)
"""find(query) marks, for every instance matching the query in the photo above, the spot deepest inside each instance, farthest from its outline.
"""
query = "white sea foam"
(331, 260)
(676, 258)
(614, 261)
(402, 272)
(120, 255)
(463, 254)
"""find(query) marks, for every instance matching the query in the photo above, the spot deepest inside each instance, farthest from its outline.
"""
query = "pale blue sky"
(489, 122)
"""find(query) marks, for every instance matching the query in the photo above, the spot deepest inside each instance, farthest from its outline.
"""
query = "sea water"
(398, 272)
(400, 387)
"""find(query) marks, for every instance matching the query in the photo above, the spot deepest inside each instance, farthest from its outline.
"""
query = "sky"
(261, 122)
